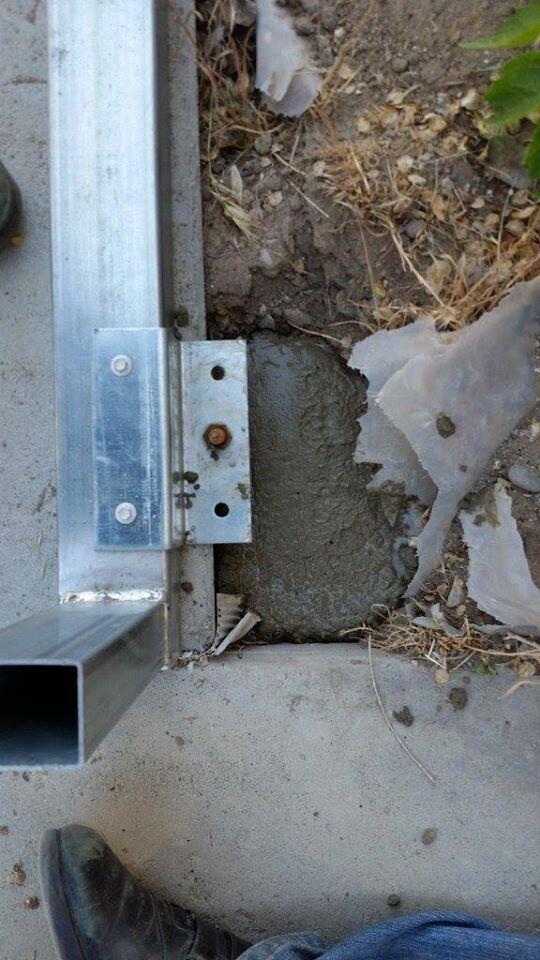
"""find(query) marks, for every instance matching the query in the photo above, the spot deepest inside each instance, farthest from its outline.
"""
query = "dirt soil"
(383, 202)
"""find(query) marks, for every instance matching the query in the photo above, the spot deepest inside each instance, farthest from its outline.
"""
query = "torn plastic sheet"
(453, 400)
(456, 407)
(499, 577)
(285, 73)
(378, 357)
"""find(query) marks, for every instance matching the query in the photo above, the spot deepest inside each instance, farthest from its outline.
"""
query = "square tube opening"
(38, 715)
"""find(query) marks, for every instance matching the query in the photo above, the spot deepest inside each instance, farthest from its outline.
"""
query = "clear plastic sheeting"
(285, 74)
(378, 357)
(440, 405)
(499, 577)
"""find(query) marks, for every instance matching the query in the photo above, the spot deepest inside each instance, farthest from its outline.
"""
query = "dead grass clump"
(398, 633)
(230, 117)
(464, 245)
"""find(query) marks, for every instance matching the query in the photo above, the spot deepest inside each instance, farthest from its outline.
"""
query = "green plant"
(515, 93)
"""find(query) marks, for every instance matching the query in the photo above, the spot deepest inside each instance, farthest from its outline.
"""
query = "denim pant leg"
(287, 946)
(437, 935)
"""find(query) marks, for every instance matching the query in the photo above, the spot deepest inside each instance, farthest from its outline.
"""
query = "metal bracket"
(171, 441)
(215, 428)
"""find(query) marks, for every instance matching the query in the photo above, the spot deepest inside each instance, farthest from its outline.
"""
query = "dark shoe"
(10, 202)
(98, 911)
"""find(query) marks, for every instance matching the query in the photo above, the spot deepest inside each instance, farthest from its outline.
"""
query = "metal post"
(67, 676)
(125, 478)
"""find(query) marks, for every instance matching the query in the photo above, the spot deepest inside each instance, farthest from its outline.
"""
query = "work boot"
(98, 911)
(10, 201)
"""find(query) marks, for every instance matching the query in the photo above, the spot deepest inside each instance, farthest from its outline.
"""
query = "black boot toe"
(98, 911)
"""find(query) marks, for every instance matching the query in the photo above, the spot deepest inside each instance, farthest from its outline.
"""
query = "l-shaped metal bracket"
(171, 440)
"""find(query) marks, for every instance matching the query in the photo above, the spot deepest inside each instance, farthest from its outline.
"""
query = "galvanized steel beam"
(127, 527)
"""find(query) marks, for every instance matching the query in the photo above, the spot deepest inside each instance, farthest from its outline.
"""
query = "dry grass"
(397, 633)
(231, 119)
(469, 249)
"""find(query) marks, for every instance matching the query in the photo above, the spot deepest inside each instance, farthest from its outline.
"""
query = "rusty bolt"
(217, 435)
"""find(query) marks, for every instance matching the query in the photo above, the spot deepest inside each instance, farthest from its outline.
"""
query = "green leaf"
(516, 92)
(532, 156)
(521, 28)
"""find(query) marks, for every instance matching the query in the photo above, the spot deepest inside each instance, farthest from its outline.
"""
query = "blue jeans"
(438, 935)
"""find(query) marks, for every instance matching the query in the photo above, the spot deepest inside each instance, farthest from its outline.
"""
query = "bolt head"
(217, 435)
(125, 513)
(121, 365)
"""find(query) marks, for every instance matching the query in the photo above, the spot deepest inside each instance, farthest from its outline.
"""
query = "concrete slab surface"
(266, 792)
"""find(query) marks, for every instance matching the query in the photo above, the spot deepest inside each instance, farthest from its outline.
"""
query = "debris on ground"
(285, 73)
(32, 903)
(403, 716)
(442, 406)
(233, 623)
(457, 593)
(429, 836)
(499, 577)
(413, 173)
(527, 478)
(458, 697)
(394, 900)
(18, 876)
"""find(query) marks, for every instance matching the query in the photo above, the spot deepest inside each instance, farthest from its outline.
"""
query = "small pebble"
(462, 173)
(295, 315)
(404, 716)
(429, 836)
(457, 593)
(268, 265)
(527, 478)
(272, 181)
(31, 903)
(413, 227)
(394, 900)
(267, 322)
(329, 19)
(18, 876)
(263, 144)
(445, 425)
(399, 64)
(515, 227)
(4, 831)
(458, 697)
(275, 198)
(304, 26)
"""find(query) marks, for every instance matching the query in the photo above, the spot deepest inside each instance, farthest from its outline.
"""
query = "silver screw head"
(125, 512)
(121, 365)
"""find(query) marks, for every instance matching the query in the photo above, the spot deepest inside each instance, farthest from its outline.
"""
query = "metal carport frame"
(137, 480)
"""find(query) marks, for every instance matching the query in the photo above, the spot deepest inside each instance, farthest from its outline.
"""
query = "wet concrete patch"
(322, 552)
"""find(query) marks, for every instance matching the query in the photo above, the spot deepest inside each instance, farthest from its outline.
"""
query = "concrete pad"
(321, 556)
(266, 792)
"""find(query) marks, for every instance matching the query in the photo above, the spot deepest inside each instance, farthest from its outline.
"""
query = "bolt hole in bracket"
(171, 441)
